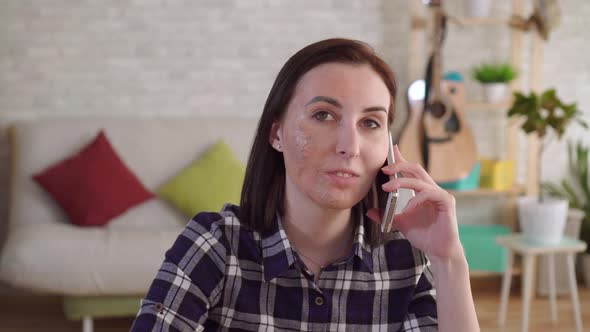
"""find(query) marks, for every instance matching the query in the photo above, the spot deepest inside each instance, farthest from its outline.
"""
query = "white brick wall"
(160, 57)
(219, 57)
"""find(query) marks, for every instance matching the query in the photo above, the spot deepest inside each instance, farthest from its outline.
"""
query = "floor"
(26, 313)
(487, 303)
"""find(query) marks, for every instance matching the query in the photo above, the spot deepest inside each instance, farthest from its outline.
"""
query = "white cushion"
(154, 215)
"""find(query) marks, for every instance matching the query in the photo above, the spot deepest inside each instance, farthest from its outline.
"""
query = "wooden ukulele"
(436, 134)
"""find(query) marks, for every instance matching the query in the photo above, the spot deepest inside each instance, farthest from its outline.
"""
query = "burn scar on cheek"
(302, 141)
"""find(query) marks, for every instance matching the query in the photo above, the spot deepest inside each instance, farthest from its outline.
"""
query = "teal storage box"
(471, 182)
(481, 250)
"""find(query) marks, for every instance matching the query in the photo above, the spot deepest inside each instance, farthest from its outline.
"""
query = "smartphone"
(391, 203)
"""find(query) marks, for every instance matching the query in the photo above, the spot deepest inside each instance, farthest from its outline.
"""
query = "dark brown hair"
(263, 190)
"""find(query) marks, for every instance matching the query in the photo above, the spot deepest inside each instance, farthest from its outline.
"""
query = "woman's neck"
(324, 235)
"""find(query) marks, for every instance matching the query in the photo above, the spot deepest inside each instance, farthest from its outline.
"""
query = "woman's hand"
(429, 220)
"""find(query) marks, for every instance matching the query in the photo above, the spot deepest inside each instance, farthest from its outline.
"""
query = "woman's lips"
(343, 178)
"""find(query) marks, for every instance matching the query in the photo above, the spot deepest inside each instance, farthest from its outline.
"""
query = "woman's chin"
(340, 203)
(335, 198)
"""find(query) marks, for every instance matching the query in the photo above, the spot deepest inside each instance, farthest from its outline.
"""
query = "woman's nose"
(347, 143)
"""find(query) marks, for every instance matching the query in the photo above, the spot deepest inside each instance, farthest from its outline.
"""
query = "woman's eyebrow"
(335, 102)
(328, 100)
(375, 109)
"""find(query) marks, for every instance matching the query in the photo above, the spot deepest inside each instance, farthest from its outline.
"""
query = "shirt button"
(159, 307)
(319, 300)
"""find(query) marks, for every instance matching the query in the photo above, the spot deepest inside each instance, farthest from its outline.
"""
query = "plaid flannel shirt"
(219, 275)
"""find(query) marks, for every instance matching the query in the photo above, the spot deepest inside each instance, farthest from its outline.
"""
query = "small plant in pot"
(576, 190)
(542, 219)
(494, 78)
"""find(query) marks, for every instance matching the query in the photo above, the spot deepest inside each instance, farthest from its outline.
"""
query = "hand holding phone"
(388, 216)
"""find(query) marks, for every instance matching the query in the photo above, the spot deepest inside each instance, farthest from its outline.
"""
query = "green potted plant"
(494, 78)
(542, 219)
(576, 190)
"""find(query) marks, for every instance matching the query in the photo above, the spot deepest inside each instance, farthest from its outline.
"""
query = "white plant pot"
(477, 8)
(542, 223)
(495, 92)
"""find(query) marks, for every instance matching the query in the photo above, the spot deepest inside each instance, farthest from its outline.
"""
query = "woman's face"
(334, 135)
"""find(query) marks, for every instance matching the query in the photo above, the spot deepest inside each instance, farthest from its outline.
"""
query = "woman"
(299, 254)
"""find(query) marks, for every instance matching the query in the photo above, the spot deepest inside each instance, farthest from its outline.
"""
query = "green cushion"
(212, 180)
(481, 250)
(78, 307)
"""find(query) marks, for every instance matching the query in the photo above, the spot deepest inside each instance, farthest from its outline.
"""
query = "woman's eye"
(323, 116)
(369, 123)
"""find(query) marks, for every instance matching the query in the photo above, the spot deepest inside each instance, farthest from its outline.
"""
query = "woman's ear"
(275, 136)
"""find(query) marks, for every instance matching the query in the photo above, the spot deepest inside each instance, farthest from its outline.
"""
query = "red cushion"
(94, 185)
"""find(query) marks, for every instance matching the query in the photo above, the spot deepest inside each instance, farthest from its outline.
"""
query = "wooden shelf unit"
(418, 56)
(482, 192)
(477, 21)
(420, 22)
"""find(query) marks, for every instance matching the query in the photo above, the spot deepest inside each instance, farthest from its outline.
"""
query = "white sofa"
(44, 252)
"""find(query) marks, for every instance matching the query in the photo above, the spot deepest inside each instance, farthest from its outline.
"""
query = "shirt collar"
(361, 246)
(278, 254)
